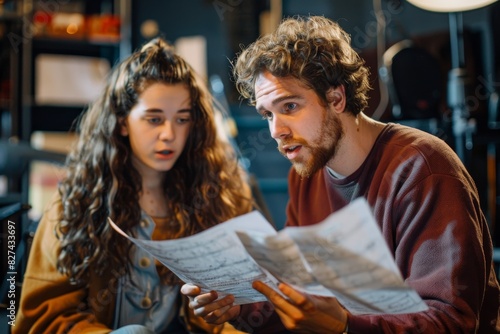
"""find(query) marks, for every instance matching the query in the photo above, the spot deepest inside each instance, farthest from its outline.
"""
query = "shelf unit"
(20, 115)
(33, 117)
(21, 42)
(10, 27)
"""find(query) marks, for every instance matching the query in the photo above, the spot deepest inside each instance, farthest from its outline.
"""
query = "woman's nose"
(167, 132)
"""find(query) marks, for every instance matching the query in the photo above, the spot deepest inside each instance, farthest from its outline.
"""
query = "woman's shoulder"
(53, 208)
(50, 218)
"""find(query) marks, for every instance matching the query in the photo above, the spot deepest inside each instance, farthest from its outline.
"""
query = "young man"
(311, 86)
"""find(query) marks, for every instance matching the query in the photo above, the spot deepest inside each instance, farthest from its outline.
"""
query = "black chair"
(15, 160)
(415, 84)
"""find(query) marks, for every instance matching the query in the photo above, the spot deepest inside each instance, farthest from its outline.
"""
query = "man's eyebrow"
(279, 100)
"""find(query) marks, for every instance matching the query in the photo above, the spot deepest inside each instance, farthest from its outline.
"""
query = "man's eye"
(267, 115)
(290, 106)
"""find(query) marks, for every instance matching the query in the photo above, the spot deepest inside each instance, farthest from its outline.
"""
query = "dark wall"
(224, 23)
(183, 18)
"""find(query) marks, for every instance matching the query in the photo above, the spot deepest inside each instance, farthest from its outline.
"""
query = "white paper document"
(215, 258)
(344, 256)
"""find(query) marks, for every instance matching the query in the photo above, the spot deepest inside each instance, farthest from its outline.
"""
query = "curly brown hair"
(206, 185)
(313, 49)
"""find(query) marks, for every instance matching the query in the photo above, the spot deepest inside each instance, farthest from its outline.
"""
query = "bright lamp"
(458, 79)
(447, 6)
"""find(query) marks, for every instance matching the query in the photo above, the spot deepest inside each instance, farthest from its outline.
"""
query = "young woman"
(148, 156)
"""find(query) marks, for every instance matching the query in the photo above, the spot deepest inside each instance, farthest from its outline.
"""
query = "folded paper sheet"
(344, 256)
(214, 259)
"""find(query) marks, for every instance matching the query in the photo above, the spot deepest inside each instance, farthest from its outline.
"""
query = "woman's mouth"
(165, 154)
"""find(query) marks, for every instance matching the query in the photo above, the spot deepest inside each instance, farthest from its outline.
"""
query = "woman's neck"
(152, 198)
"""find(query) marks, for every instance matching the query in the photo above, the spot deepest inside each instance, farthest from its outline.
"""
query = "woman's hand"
(212, 310)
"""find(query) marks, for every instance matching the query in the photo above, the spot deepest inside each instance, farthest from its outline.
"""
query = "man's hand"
(305, 313)
(207, 306)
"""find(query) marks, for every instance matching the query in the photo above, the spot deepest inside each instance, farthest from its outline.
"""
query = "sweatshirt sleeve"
(443, 249)
(49, 303)
(430, 216)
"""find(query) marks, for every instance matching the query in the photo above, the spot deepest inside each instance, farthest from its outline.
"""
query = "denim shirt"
(141, 298)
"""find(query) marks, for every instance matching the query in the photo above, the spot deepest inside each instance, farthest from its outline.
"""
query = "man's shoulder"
(413, 147)
(403, 138)
(402, 132)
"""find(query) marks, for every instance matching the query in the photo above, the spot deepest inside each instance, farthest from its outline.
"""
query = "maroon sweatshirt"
(428, 210)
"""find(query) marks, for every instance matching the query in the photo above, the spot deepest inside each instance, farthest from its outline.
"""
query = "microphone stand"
(458, 89)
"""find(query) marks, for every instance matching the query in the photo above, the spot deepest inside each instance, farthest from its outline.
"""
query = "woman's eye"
(183, 120)
(154, 120)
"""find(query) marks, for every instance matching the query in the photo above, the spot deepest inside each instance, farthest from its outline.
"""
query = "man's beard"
(322, 150)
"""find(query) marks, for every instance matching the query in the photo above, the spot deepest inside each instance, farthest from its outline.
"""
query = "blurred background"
(432, 70)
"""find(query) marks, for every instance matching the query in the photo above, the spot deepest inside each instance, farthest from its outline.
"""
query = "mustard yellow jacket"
(50, 304)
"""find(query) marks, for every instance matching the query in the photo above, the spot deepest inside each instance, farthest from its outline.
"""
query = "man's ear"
(123, 127)
(335, 97)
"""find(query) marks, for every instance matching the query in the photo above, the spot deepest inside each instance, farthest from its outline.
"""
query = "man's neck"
(360, 134)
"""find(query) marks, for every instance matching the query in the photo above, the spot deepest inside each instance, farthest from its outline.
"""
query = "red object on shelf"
(103, 28)
(61, 25)
(68, 25)
(41, 23)
(5, 89)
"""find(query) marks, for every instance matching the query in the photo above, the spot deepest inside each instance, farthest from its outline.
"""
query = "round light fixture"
(447, 6)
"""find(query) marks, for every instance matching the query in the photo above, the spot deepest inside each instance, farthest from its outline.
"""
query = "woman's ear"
(336, 98)
(123, 127)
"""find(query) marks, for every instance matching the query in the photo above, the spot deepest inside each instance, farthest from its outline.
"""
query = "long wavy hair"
(206, 185)
(314, 50)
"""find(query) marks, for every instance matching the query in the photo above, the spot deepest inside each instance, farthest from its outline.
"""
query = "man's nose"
(279, 128)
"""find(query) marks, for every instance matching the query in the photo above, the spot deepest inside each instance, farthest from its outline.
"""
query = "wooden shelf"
(54, 118)
(9, 16)
(75, 47)
(5, 104)
(58, 41)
